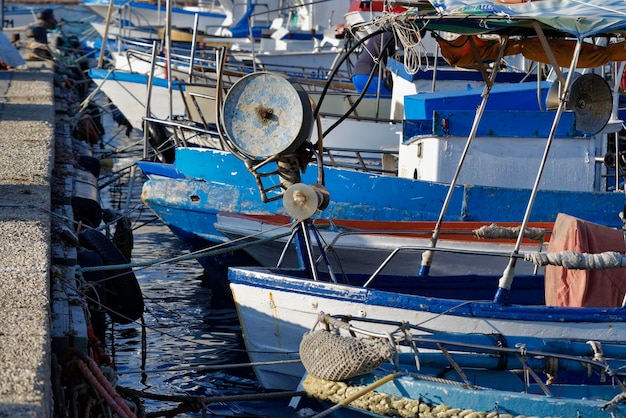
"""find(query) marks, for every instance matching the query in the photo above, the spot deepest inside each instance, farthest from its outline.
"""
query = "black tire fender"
(91, 164)
(161, 142)
(124, 299)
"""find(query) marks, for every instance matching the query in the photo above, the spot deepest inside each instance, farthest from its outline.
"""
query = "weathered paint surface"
(266, 114)
(218, 182)
(297, 302)
(505, 391)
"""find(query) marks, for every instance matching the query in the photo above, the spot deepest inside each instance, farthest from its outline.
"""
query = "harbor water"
(184, 354)
(189, 343)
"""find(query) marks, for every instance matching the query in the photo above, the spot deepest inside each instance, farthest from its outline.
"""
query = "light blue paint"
(504, 123)
(125, 76)
(499, 390)
(367, 196)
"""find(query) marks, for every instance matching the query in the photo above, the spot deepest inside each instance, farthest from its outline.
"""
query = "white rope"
(598, 353)
(578, 261)
(412, 45)
(405, 33)
(494, 231)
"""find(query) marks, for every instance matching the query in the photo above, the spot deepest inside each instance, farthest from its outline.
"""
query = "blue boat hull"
(188, 195)
(502, 392)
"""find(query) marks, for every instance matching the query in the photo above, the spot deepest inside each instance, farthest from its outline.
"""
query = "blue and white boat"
(494, 185)
(276, 20)
(417, 169)
(141, 14)
(580, 297)
(128, 91)
(276, 306)
(462, 374)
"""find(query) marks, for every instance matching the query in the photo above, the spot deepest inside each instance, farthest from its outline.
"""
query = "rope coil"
(101, 384)
(578, 261)
(494, 231)
(381, 403)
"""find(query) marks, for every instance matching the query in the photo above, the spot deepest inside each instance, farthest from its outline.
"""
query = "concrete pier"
(27, 133)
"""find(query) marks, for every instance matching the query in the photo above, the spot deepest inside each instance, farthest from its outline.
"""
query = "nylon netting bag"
(329, 356)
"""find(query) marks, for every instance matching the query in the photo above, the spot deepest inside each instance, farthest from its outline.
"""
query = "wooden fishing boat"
(389, 193)
(128, 84)
(225, 18)
(520, 147)
(462, 374)
(276, 304)
(375, 241)
(128, 92)
(582, 292)
(142, 14)
(410, 183)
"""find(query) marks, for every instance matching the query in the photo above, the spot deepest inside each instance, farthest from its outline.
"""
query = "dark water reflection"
(192, 340)
(188, 341)
(183, 332)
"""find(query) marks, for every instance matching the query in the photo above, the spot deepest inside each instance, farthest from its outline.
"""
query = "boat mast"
(504, 284)
(105, 36)
(168, 52)
(427, 256)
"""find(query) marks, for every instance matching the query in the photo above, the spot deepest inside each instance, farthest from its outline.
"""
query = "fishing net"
(329, 356)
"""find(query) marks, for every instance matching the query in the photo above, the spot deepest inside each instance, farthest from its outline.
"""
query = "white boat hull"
(374, 247)
(274, 319)
(131, 98)
(146, 16)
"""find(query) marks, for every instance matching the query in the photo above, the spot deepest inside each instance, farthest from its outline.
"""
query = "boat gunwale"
(278, 280)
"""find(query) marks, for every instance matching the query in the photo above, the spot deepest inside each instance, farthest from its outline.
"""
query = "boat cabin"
(509, 142)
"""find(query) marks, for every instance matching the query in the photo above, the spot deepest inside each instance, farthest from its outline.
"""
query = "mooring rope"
(100, 383)
(191, 340)
(358, 394)
(578, 261)
(211, 251)
(210, 367)
(191, 403)
(495, 231)
(367, 399)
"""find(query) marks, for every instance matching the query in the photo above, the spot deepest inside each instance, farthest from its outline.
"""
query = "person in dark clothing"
(47, 19)
(367, 62)
(39, 30)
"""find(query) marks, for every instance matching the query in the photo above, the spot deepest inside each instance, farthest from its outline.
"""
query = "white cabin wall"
(502, 162)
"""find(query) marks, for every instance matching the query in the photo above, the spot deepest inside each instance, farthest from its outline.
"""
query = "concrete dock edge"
(27, 129)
